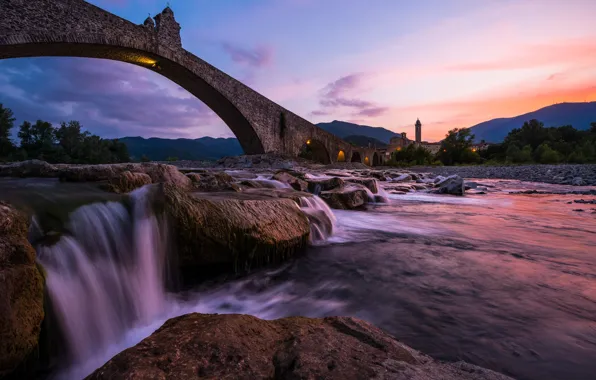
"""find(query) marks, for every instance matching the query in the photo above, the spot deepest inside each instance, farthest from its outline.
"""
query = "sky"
(451, 63)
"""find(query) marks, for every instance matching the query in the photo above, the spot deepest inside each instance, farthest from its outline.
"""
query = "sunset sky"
(451, 63)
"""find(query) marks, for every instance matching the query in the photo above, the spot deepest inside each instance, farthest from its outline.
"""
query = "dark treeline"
(535, 143)
(65, 144)
(532, 143)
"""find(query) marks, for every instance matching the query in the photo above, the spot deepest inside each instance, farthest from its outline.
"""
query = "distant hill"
(579, 115)
(363, 141)
(343, 129)
(204, 148)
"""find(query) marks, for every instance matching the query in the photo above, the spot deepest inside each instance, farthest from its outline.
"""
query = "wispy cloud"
(260, 56)
(336, 95)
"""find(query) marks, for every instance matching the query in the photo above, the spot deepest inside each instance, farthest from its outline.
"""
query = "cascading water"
(322, 220)
(105, 275)
(271, 182)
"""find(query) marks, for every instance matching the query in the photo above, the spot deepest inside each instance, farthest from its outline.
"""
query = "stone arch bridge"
(75, 28)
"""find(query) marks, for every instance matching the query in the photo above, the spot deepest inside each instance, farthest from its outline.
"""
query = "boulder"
(30, 168)
(295, 182)
(370, 183)
(258, 184)
(346, 198)
(453, 185)
(21, 295)
(92, 173)
(126, 182)
(217, 181)
(232, 233)
(232, 346)
(577, 181)
(324, 184)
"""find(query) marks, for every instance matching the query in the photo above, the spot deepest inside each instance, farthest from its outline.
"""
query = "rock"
(584, 201)
(453, 185)
(471, 185)
(194, 177)
(370, 183)
(296, 183)
(256, 184)
(126, 182)
(159, 173)
(346, 198)
(30, 168)
(325, 184)
(577, 181)
(232, 234)
(21, 295)
(233, 346)
(402, 178)
(218, 181)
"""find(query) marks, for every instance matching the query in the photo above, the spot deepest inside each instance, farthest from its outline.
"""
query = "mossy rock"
(234, 234)
(21, 295)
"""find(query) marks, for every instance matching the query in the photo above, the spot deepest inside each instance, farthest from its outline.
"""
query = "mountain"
(204, 148)
(579, 115)
(363, 141)
(343, 129)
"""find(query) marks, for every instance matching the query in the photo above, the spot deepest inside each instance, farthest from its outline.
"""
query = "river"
(504, 281)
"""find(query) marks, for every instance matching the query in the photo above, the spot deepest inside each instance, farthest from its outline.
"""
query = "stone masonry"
(75, 28)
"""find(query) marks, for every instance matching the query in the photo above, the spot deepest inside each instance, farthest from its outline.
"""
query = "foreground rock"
(126, 182)
(213, 230)
(296, 183)
(349, 197)
(159, 173)
(217, 181)
(453, 185)
(211, 346)
(21, 295)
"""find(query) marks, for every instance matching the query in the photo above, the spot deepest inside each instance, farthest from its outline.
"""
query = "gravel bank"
(578, 175)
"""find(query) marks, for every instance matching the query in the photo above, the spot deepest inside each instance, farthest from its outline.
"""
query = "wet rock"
(453, 185)
(324, 184)
(232, 234)
(346, 198)
(402, 178)
(370, 183)
(30, 168)
(216, 346)
(126, 182)
(217, 181)
(295, 182)
(584, 201)
(21, 295)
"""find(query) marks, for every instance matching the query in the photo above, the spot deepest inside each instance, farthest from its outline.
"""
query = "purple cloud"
(260, 56)
(111, 99)
(334, 96)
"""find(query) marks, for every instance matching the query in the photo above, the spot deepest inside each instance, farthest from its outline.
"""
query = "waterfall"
(321, 218)
(106, 274)
(268, 182)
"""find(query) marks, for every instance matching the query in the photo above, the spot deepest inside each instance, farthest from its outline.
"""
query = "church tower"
(418, 131)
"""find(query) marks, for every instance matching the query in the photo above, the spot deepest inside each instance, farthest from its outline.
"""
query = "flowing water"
(500, 280)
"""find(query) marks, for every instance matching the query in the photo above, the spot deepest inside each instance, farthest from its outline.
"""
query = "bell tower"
(418, 126)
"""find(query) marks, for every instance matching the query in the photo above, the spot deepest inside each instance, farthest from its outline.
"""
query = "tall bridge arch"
(75, 28)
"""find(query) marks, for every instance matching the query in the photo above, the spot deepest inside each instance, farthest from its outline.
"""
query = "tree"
(456, 148)
(144, 158)
(6, 123)
(546, 155)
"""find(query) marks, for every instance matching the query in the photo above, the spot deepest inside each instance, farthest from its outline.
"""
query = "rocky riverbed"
(575, 175)
(122, 248)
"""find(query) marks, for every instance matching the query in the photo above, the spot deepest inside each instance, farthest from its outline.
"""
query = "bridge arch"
(75, 28)
(315, 150)
(341, 156)
(356, 157)
(376, 161)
